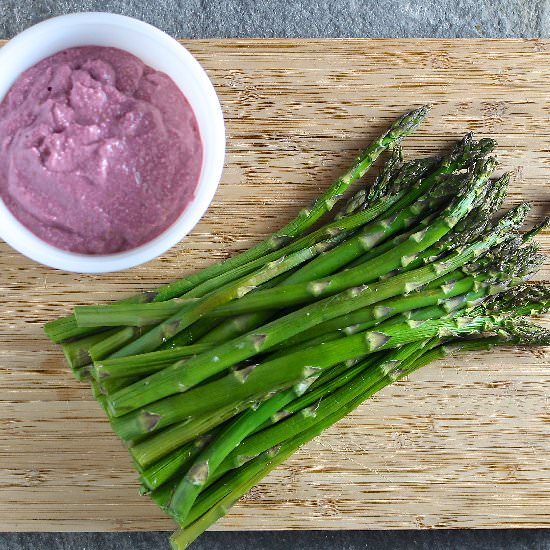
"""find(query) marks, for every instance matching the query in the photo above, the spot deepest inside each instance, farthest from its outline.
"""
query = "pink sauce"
(99, 153)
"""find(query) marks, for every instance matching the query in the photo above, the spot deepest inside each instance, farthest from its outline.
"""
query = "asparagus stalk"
(401, 255)
(138, 315)
(145, 363)
(363, 198)
(147, 451)
(211, 457)
(463, 155)
(215, 502)
(182, 376)
(161, 471)
(105, 347)
(338, 376)
(238, 325)
(466, 153)
(189, 314)
(509, 270)
(77, 353)
(355, 391)
(164, 469)
(255, 381)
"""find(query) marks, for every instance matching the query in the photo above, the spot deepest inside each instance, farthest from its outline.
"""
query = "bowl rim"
(27, 243)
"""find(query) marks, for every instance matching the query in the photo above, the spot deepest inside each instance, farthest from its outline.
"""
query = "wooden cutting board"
(463, 443)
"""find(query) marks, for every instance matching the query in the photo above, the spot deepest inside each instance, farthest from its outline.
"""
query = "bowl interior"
(159, 51)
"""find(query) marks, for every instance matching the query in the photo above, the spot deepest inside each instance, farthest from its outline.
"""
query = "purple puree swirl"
(99, 153)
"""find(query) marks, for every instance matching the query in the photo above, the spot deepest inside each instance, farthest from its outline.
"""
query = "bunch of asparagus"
(215, 379)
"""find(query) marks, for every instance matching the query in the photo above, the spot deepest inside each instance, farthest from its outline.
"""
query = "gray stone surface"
(306, 18)
(285, 540)
(300, 18)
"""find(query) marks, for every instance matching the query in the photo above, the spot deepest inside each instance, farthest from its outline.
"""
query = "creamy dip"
(99, 153)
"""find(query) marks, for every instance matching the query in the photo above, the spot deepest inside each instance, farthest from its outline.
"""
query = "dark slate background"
(306, 18)
(300, 18)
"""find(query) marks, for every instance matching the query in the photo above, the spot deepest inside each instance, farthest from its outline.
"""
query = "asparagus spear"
(184, 376)
(365, 197)
(401, 255)
(116, 315)
(189, 314)
(161, 471)
(380, 193)
(145, 363)
(336, 377)
(257, 380)
(77, 353)
(164, 469)
(211, 457)
(216, 500)
(146, 452)
(328, 384)
(510, 269)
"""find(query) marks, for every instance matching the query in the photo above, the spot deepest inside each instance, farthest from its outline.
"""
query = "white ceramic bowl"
(161, 52)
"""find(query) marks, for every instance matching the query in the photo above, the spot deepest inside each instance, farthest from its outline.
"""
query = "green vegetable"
(215, 379)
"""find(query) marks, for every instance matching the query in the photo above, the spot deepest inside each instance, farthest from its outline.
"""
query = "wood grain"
(464, 443)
